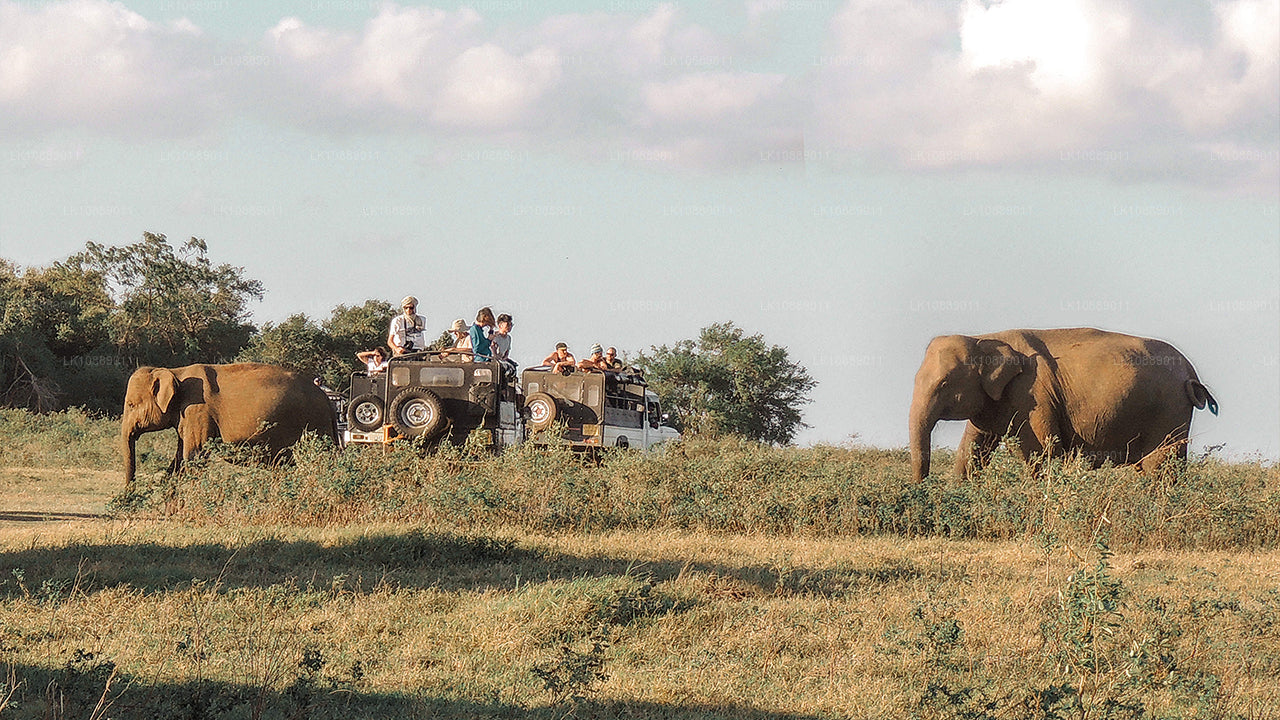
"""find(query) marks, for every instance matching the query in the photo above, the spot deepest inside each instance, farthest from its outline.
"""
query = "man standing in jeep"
(406, 330)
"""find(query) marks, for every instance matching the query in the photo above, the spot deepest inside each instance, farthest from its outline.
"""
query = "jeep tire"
(365, 413)
(542, 410)
(417, 412)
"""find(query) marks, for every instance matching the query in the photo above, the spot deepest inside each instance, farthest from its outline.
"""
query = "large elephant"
(262, 405)
(1108, 395)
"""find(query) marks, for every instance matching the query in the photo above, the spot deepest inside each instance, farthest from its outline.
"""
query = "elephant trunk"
(128, 443)
(921, 428)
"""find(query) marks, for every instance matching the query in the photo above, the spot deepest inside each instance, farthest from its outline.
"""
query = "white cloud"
(487, 87)
(707, 98)
(1077, 85)
(92, 62)
(1191, 93)
(655, 85)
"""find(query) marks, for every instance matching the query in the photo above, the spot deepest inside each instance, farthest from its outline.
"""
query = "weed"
(571, 677)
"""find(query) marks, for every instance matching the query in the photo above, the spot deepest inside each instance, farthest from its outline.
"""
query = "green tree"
(172, 306)
(327, 350)
(726, 381)
(54, 343)
(296, 343)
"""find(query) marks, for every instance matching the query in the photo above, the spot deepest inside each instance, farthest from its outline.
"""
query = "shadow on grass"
(412, 559)
(77, 688)
(31, 516)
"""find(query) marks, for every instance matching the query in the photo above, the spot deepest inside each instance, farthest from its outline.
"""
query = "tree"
(327, 350)
(54, 344)
(172, 307)
(726, 381)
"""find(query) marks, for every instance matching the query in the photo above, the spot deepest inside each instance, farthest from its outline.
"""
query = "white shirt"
(406, 330)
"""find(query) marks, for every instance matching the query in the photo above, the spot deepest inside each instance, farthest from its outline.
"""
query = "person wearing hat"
(561, 360)
(595, 362)
(406, 329)
(461, 350)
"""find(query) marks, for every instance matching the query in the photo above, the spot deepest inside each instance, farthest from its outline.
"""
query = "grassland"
(716, 580)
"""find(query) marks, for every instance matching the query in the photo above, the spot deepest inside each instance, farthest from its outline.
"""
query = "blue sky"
(848, 178)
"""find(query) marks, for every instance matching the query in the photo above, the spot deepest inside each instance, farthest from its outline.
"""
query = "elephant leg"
(176, 464)
(1030, 447)
(975, 451)
(194, 431)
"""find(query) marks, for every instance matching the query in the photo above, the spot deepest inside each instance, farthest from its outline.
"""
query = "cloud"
(1076, 86)
(1134, 89)
(91, 62)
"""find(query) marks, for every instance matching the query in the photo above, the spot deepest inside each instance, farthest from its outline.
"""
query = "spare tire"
(542, 410)
(417, 412)
(365, 413)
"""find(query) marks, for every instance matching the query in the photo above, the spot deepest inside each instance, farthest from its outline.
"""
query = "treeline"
(72, 332)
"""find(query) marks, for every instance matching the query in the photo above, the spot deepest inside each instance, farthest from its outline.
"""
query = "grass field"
(719, 580)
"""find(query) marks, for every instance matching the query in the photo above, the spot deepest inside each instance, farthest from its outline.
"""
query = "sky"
(848, 179)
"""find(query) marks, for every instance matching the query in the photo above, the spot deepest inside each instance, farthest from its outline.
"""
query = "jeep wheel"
(417, 412)
(542, 411)
(365, 412)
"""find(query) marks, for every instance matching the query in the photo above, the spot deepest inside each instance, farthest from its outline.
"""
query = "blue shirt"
(479, 343)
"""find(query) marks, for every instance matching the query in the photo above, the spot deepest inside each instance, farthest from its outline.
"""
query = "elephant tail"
(1200, 397)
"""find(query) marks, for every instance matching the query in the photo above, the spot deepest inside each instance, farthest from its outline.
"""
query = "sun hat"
(459, 325)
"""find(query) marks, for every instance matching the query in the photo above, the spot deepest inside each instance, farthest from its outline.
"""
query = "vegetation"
(326, 350)
(71, 333)
(729, 382)
(718, 579)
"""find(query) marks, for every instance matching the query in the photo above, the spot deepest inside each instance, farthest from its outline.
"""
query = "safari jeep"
(596, 409)
(423, 395)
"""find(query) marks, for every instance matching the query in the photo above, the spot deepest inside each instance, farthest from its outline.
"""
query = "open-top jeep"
(596, 409)
(424, 395)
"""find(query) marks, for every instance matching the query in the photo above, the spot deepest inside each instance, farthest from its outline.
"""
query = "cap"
(561, 346)
(596, 349)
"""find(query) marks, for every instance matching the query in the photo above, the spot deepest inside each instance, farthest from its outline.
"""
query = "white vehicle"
(596, 409)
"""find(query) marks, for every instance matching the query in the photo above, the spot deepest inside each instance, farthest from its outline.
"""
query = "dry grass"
(423, 622)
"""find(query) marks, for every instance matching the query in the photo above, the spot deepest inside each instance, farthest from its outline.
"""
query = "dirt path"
(30, 494)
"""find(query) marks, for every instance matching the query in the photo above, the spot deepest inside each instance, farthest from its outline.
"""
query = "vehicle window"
(482, 375)
(401, 376)
(623, 417)
(655, 415)
(441, 376)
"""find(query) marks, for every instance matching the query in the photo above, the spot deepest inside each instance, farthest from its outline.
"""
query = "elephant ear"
(998, 363)
(166, 385)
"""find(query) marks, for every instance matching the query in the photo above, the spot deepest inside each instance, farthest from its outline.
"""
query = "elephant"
(1106, 394)
(251, 403)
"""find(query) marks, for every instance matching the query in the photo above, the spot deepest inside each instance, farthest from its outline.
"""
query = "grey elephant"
(262, 405)
(1109, 395)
